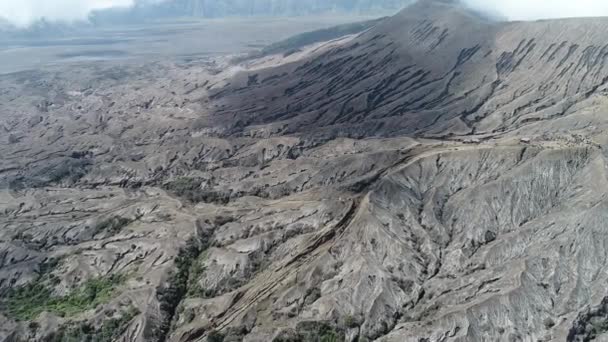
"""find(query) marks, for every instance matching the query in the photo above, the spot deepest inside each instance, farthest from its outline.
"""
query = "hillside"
(433, 72)
(437, 177)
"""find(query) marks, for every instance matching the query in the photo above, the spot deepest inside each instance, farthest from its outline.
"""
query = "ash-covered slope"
(435, 69)
(440, 177)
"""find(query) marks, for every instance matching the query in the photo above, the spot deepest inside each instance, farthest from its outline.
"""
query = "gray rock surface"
(438, 177)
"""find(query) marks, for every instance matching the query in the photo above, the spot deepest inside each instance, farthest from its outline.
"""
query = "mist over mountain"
(148, 9)
(24, 13)
(44, 24)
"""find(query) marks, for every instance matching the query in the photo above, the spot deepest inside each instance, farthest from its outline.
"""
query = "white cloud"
(542, 9)
(24, 12)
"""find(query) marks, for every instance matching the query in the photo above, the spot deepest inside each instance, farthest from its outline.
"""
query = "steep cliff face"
(439, 177)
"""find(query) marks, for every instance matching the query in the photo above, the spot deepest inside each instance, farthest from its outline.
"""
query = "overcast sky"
(542, 9)
(23, 12)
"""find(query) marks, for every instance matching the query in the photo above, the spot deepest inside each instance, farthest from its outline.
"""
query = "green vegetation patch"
(182, 184)
(598, 327)
(110, 330)
(216, 336)
(192, 190)
(187, 188)
(112, 225)
(63, 170)
(170, 296)
(28, 301)
(312, 331)
(197, 269)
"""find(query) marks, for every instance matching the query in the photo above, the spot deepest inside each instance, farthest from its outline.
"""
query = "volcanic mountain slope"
(433, 70)
(440, 177)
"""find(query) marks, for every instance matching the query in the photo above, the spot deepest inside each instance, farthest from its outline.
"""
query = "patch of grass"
(191, 190)
(188, 268)
(196, 272)
(328, 333)
(109, 330)
(351, 322)
(598, 327)
(186, 187)
(169, 297)
(61, 170)
(47, 266)
(27, 302)
(330, 337)
(312, 331)
(215, 336)
(112, 225)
